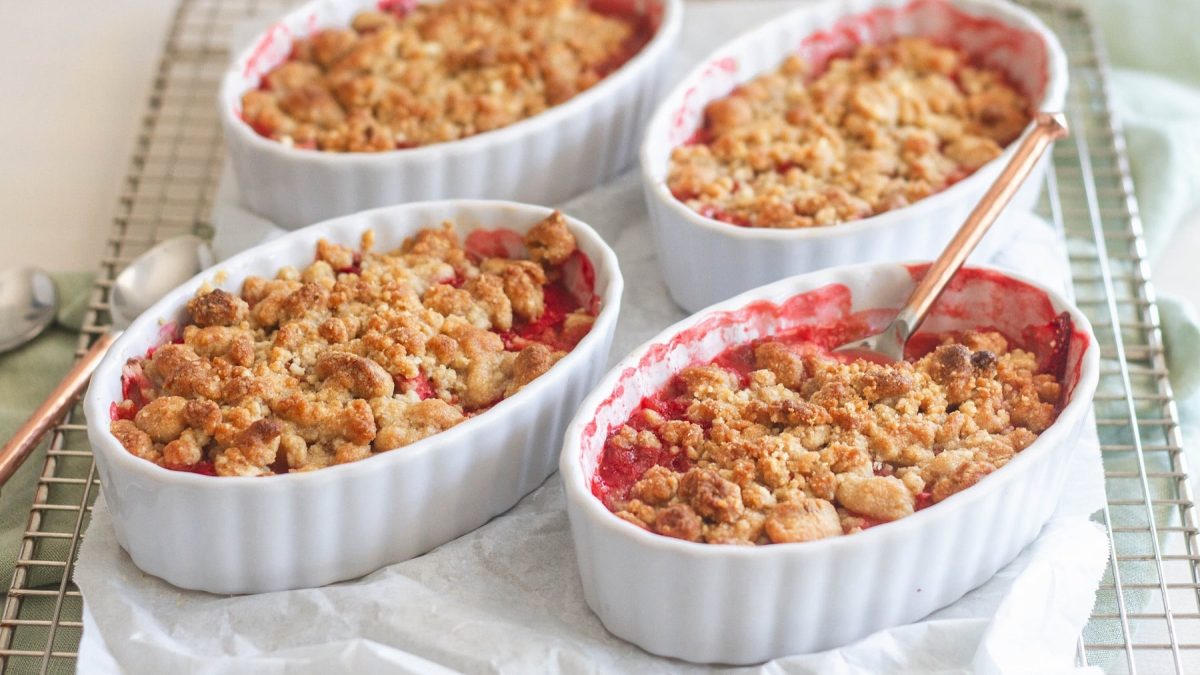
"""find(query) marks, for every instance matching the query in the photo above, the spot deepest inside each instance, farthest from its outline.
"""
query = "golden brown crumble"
(356, 354)
(440, 72)
(876, 131)
(783, 443)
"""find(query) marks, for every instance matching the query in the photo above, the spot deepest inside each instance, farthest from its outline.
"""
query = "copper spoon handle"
(18, 448)
(1048, 127)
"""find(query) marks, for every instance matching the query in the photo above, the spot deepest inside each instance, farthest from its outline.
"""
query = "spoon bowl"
(154, 273)
(28, 303)
(149, 277)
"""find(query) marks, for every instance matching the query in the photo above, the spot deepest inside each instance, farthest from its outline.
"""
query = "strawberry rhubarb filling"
(875, 130)
(780, 441)
(412, 74)
(361, 352)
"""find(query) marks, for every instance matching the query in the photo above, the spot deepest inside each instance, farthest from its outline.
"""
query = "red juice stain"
(262, 49)
(684, 196)
(622, 467)
(400, 8)
(572, 289)
(499, 243)
(701, 136)
(121, 412)
(579, 278)
(644, 21)
(420, 385)
(548, 328)
(672, 402)
(280, 465)
(717, 213)
(258, 127)
(135, 388)
(921, 344)
(1052, 343)
(203, 468)
(739, 361)
(354, 267)
(867, 522)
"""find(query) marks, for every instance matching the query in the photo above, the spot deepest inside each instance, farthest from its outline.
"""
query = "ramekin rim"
(96, 407)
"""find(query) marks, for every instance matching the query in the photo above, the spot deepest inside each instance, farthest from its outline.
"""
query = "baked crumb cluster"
(357, 354)
(779, 442)
(877, 130)
(438, 72)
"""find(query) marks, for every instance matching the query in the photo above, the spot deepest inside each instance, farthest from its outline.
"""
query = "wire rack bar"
(1147, 615)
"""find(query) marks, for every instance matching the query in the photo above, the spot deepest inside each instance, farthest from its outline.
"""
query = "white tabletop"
(75, 77)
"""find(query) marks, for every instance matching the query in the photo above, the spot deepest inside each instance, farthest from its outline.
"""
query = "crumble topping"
(878, 130)
(357, 354)
(778, 441)
(437, 72)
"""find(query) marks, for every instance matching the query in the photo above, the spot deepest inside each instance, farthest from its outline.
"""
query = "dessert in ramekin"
(428, 73)
(346, 104)
(243, 534)
(779, 440)
(842, 133)
(900, 543)
(359, 353)
(871, 131)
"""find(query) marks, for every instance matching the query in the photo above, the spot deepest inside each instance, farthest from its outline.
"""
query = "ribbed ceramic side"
(234, 535)
(740, 605)
(743, 610)
(703, 266)
(545, 159)
(705, 261)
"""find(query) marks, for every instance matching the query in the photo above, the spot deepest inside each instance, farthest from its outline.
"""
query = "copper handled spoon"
(147, 279)
(888, 346)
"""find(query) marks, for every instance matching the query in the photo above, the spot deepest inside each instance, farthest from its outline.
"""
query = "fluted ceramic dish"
(745, 604)
(249, 535)
(706, 260)
(544, 159)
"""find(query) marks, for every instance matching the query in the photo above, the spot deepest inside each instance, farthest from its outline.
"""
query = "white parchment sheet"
(507, 597)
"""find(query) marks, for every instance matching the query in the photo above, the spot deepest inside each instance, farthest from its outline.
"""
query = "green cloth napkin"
(1155, 91)
(1156, 36)
(27, 375)
(1156, 94)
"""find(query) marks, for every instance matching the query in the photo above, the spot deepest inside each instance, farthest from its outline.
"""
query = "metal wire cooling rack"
(1147, 616)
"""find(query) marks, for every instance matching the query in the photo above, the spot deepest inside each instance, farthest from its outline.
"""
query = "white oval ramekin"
(249, 535)
(733, 604)
(705, 260)
(544, 159)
